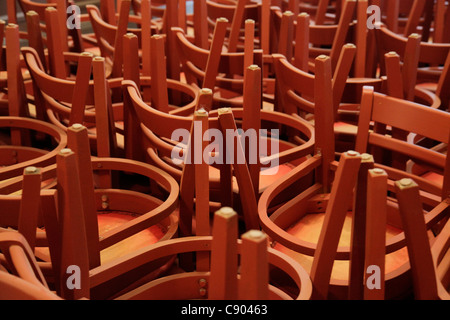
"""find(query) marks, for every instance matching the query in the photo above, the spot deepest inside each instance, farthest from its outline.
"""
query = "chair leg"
(73, 242)
(419, 251)
(376, 232)
(358, 241)
(224, 259)
(254, 282)
(339, 203)
(30, 204)
(78, 141)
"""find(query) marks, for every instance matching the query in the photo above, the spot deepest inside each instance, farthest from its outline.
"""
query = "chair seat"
(345, 128)
(435, 177)
(110, 220)
(309, 228)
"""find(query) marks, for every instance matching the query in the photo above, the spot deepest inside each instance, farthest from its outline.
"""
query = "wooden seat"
(236, 14)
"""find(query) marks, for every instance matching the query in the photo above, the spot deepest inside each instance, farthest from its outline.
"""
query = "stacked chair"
(231, 149)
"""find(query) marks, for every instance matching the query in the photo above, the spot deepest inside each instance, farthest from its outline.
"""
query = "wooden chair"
(252, 283)
(111, 31)
(98, 215)
(302, 42)
(285, 225)
(432, 180)
(110, 36)
(311, 40)
(310, 206)
(161, 147)
(236, 13)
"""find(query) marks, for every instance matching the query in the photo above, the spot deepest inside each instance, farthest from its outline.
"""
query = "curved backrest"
(38, 7)
(106, 33)
(321, 36)
(431, 54)
(218, 10)
(298, 87)
(20, 258)
(21, 278)
(72, 101)
(230, 67)
(55, 90)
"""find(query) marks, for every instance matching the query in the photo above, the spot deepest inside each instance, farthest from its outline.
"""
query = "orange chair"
(98, 215)
(294, 229)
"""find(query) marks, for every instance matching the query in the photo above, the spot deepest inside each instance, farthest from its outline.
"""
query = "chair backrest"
(301, 91)
(61, 6)
(194, 61)
(318, 39)
(110, 37)
(411, 117)
(431, 54)
(216, 10)
(70, 101)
